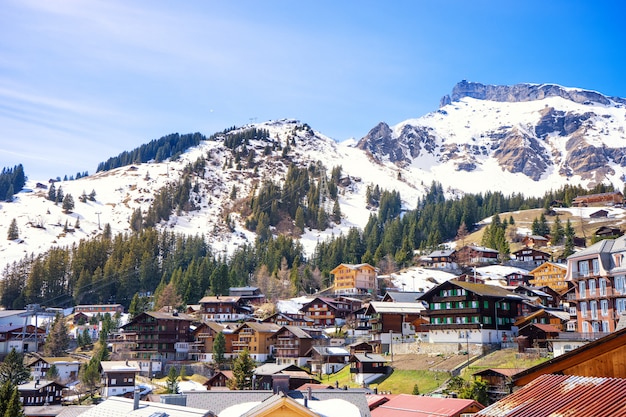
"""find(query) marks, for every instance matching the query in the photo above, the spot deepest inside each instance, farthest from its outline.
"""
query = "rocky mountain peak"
(525, 92)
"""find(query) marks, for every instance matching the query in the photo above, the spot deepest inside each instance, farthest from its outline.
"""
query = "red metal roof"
(405, 405)
(563, 395)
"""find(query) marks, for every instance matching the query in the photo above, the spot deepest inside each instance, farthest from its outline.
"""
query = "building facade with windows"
(599, 275)
(354, 279)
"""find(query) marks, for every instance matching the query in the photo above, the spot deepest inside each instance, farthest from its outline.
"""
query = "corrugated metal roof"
(405, 405)
(563, 395)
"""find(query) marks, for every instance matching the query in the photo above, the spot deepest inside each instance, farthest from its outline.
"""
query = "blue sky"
(82, 80)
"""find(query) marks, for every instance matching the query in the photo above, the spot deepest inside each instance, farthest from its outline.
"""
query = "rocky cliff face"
(525, 92)
(530, 129)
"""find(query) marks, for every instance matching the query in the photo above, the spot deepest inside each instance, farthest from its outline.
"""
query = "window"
(583, 309)
(593, 307)
(605, 326)
(603, 287)
(583, 268)
(620, 284)
(586, 327)
(582, 289)
(474, 304)
(592, 287)
(604, 307)
(596, 266)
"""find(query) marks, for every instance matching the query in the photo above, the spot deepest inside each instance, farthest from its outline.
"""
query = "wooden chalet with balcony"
(324, 311)
(201, 349)
(602, 199)
(40, 392)
(550, 274)
(223, 308)
(158, 337)
(219, 380)
(288, 319)
(251, 295)
(354, 279)
(530, 256)
(476, 255)
(118, 377)
(256, 338)
(368, 367)
(469, 312)
(397, 320)
(292, 344)
(442, 259)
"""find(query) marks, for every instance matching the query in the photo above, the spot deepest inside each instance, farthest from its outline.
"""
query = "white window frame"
(604, 307)
(602, 287)
(583, 309)
(592, 287)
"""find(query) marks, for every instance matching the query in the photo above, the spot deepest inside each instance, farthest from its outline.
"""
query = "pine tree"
(13, 370)
(569, 239)
(53, 373)
(557, 233)
(172, 381)
(60, 196)
(68, 203)
(52, 193)
(219, 348)
(336, 212)
(14, 232)
(243, 370)
(14, 408)
(58, 339)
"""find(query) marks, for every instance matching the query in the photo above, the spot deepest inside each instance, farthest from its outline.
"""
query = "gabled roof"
(547, 328)
(402, 296)
(352, 266)
(439, 253)
(483, 290)
(118, 406)
(404, 405)
(273, 368)
(508, 372)
(219, 299)
(563, 395)
(396, 308)
(120, 366)
(368, 358)
(296, 331)
(330, 351)
(260, 327)
(227, 374)
(543, 265)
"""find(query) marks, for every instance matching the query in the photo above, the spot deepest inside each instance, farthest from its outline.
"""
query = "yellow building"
(550, 274)
(354, 279)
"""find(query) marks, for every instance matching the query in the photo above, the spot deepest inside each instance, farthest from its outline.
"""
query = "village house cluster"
(540, 306)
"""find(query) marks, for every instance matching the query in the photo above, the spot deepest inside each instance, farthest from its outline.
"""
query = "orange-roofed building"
(405, 405)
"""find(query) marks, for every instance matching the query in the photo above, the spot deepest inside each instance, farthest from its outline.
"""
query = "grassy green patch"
(403, 381)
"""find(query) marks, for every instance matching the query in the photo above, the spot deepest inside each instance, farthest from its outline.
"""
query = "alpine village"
(216, 276)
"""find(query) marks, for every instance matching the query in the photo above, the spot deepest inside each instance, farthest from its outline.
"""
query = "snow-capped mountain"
(521, 139)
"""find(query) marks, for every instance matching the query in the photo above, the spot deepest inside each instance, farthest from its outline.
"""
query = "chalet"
(536, 335)
(517, 278)
(288, 319)
(67, 368)
(223, 308)
(354, 279)
(359, 322)
(265, 376)
(19, 337)
(368, 367)
(394, 320)
(402, 296)
(293, 344)
(562, 395)
(256, 338)
(600, 214)
(158, 337)
(251, 295)
(118, 377)
(476, 255)
(201, 349)
(606, 232)
(600, 358)
(220, 379)
(554, 317)
(498, 381)
(603, 199)
(361, 347)
(550, 274)
(422, 406)
(531, 256)
(442, 259)
(470, 312)
(39, 392)
(102, 309)
(80, 318)
(542, 297)
(535, 241)
(326, 311)
(328, 359)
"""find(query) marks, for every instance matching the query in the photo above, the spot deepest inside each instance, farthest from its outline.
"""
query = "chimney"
(308, 393)
(136, 398)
